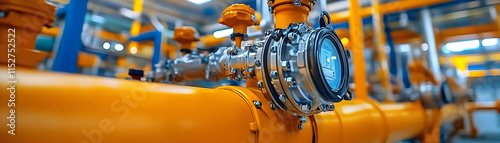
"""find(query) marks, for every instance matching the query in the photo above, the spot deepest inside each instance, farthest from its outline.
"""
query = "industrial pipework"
(300, 73)
(303, 70)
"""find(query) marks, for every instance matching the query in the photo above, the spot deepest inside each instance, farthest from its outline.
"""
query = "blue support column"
(393, 67)
(71, 40)
(157, 50)
(155, 36)
(392, 54)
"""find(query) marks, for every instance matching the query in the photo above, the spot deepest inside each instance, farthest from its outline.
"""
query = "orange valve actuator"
(239, 17)
(186, 36)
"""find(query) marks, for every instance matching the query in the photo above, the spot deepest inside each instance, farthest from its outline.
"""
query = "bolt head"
(257, 62)
(273, 49)
(233, 73)
(274, 74)
(302, 28)
(251, 48)
(285, 65)
(282, 98)
(270, 2)
(268, 32)
(291, 36)
(260, 44)
(233, 50)
(321, 107)
(296, 3)
(348, 95)
(329, 107)
(291, 81)
(250, 71)
(260, 84)
(257, 104)
(302, 119)
(273, 107)
(306, 107)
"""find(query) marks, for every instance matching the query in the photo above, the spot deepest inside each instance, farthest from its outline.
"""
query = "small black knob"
(136, 74)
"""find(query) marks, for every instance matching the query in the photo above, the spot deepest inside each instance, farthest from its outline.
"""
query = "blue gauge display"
(330, 64)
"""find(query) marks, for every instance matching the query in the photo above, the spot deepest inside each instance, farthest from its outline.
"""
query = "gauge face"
(330, 64)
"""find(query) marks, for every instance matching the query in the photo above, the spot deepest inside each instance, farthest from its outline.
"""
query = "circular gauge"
(330, 64)
(305, 69)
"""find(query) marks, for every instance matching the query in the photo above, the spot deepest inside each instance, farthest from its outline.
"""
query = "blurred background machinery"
(255, 70)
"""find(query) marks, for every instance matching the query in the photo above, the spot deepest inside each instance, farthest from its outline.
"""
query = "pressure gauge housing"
(304, 70)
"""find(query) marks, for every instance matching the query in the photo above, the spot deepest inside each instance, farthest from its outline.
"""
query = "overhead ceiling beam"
(343, 5)
(163, 13)
(386, 8)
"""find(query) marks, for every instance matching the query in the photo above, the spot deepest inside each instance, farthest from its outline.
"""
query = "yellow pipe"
(57, 107)
(136, 25)
(386, 122)
(211, 41)
(405, 120)
(386, 8)
(50, 31)
(432, 132)
(78, 108)
(497, 20)
(86, 60)
(356, 33)
(95, 109)
(380, 47)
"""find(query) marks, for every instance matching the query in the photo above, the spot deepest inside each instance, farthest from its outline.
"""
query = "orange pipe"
(78, 108)
(378, 24)
(405, 120)
(387, 122)
(287, 13)
(57, 107)
(357, 46)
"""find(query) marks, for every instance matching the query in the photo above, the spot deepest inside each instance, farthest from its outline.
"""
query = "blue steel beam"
(392, 54)
(155, 36)
(71, 40)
